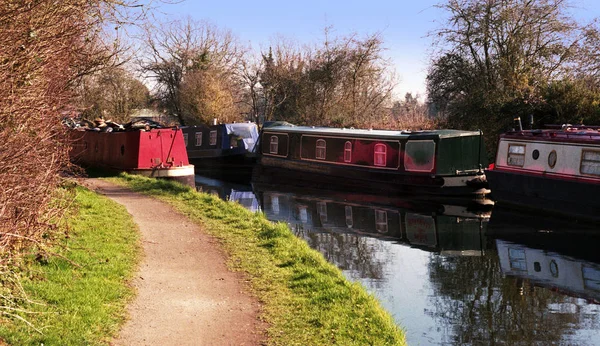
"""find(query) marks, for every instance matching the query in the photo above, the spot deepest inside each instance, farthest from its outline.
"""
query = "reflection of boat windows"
(554, 268)
(321, 149)
(275, 204)
(552, 159)
(591, 277)
(381, 221)
(185, 139)
(517, 259)
(516, 155)
(213, 137)
(322, 209)
(590, 162)
(349, 218)
(198, 139)
(303, 214)
(274, 145)
(380, 154)
(348, 152)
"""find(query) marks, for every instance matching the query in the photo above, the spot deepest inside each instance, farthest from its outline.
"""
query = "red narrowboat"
(156, 153)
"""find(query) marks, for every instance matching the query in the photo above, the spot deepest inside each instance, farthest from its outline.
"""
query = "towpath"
(185, 293)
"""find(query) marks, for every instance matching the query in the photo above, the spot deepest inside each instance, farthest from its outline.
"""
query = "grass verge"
(306, 300)
(78, 296)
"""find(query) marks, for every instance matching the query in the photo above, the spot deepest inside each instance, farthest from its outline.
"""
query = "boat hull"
(569, 198)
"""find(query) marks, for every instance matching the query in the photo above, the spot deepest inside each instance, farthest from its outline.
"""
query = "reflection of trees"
(477, 305)
(363, 257)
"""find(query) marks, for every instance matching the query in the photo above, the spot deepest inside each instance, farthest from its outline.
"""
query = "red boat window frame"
(348, 151)
(380, 155)
(321, 149)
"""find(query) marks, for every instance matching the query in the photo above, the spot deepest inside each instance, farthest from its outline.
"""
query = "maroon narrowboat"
(156, 153)
(555, 170)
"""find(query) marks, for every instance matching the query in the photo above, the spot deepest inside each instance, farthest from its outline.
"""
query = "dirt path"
(186, 294)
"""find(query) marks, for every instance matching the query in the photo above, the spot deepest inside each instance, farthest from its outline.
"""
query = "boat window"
(185, 139)
(198, 139)
(591, 277)
(274, 145)
(321, 149)
(275, 204)
(322, 209)
(590, 162)
(381, 221)
(348, 152)
(213, 137)
(419, 156)
(516, 155)
(349, 218)
(517, 259)
(380, 158)
(552, 159)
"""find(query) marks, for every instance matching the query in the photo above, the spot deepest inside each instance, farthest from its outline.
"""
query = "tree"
(496, 59)
(189, 52)
(112, 93)
(345, 81)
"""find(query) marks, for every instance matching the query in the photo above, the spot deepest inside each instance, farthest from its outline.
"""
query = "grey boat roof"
(443, 133)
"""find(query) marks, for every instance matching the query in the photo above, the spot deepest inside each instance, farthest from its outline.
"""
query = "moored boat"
(222, 149)
(440, 162)
(554, 170)
(158, 153)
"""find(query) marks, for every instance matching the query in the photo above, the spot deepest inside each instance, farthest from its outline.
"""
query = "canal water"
(451, 272)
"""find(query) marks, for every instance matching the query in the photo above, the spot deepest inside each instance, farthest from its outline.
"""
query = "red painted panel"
(130, 150)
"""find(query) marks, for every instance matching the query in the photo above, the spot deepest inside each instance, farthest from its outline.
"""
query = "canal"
(452, 272)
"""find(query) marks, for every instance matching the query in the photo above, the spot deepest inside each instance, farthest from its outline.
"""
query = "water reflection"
(448, 272)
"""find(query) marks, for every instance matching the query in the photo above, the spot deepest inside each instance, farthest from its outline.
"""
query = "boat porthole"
(122, 150)
(535, 154)
(552, 159)
(554, 268)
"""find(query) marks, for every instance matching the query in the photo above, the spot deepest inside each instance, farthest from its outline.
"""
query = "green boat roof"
(445, 133)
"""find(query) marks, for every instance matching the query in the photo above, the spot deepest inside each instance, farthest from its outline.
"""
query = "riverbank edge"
(79, 288)
(305, 299)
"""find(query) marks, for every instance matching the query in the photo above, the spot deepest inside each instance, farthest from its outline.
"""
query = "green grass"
(80, 296)
(306, 300)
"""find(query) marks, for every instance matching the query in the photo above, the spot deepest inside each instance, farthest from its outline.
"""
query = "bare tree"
(113, 93)
(173, 50)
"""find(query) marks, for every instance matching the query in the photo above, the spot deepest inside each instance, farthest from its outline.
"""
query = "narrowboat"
(222, 149)
(550, 170)
(158, 153)
(440, 162)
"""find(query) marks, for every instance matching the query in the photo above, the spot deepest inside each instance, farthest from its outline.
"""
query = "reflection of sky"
(406, 290)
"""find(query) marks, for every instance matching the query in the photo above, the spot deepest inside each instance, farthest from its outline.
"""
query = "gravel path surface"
(185, 293)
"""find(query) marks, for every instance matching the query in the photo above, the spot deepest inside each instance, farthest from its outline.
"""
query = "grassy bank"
(306, 300)
(78, 296)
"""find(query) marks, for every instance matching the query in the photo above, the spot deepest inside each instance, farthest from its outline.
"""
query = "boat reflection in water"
(228, 191)
(448, 272)
(432, 226)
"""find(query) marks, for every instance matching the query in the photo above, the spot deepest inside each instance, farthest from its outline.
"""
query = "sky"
(403, 24)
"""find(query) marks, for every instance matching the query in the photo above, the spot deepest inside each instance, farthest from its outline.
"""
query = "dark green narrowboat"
(441, 162)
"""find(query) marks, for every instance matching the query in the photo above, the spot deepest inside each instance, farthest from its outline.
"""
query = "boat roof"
(566, 133)
(444, 133)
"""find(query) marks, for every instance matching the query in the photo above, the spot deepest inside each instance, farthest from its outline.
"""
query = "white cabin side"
(546, 157)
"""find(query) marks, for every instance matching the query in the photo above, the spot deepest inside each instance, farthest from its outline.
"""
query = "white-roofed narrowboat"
(555, 170)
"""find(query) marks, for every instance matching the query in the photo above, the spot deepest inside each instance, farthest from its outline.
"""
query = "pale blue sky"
(404, 25)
